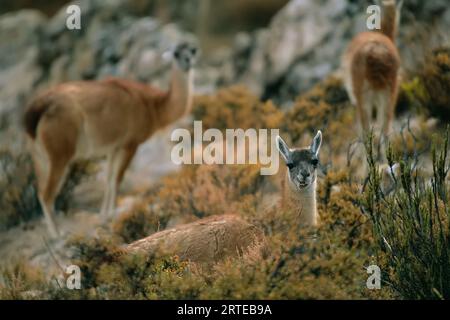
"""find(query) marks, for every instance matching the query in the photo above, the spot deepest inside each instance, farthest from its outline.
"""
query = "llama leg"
(47, 195)
(112, 183)
(40, 167)
(107, 194)
(56, 139)
(383, 123)
(388, 127)
(120, 163)
(348, 82)
(363, 107)
(128, 154)
(41, 170)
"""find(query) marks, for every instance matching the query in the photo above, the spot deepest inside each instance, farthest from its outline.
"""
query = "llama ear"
(284, 150)
(316, 143)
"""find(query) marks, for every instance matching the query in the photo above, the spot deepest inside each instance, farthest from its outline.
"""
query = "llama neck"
(389, 22)
(303, 202)
(178, 102)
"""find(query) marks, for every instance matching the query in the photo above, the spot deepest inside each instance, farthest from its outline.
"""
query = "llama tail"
(33, 115)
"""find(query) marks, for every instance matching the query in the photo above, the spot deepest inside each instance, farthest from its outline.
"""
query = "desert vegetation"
(405, 232)
(403, 229)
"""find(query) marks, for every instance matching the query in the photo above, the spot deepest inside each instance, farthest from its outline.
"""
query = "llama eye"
(315, 162)
(290, 166)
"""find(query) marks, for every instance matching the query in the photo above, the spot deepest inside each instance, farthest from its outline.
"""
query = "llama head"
(301, 163)
(185, 55)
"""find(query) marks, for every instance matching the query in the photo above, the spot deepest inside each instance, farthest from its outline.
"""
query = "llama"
(300, 184)
(371, 66)
(215, 238)
(206, 241)
(111, 118)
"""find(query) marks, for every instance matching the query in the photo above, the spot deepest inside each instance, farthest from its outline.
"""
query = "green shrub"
(325, 107)
(236, 107)
(412, 228)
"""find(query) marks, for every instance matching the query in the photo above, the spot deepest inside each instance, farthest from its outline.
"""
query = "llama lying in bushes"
(215, 238)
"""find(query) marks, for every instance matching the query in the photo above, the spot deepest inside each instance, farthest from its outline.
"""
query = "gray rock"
(19, 52)
(300, 47)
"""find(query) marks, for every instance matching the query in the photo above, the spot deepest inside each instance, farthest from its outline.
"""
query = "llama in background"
(371, 70)
(101, 118)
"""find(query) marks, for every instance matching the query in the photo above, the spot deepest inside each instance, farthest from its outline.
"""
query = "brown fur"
(33, 115)
(380, 64)
(209, 240)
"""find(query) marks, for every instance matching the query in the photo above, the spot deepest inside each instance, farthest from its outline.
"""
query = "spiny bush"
(139, 222)
(412, 227)
(325, 107)
(340, 208)
(107, 273)
(18, 194)
(413, 138)
(18, 198)
(209, 190)
(236, 107)
(436, 79)
(19, 280)
(429, 87)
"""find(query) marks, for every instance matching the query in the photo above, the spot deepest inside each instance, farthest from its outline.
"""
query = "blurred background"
(278, 48)
(192, 15)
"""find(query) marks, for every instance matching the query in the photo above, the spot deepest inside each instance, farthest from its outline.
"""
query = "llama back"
(208, 240)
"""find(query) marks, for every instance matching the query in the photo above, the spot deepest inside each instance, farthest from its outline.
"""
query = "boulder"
(20, 34)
